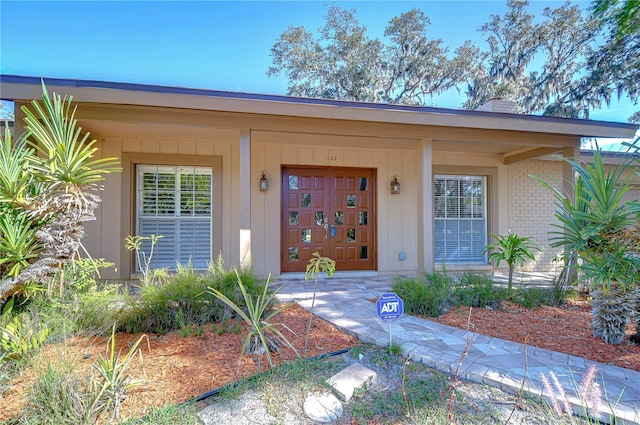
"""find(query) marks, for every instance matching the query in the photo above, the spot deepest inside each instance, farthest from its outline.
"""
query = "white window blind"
(460, 219)
(175, 202)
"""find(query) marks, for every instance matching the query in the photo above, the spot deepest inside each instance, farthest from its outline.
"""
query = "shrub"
(59, 397)
(155, 308)
(23, 335)
(428, 296)
(97, 312)
(477, 290)
(433, 295)
(79, 276)
(183, 299)
(263, 333)
(535, 297)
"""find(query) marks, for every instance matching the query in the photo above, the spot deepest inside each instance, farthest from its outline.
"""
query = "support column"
(244, 198)
(18, 124)
(568, 173)
(425, 205)
(568, 188)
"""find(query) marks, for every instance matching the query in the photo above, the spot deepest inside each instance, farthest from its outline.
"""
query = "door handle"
(326, 226)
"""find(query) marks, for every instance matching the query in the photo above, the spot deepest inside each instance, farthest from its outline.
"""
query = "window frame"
(173, 211)
(490, 175)
(128, 199)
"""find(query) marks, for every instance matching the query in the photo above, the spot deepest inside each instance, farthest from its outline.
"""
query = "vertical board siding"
(110, 211)
(149, 146)
(187, 147)
(169, 147)
(102, 237)
(394, 235)
(230, 202)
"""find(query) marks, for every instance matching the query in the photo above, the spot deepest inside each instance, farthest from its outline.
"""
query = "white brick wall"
(531, 207)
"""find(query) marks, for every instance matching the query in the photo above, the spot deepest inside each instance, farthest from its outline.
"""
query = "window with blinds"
(460, 219)
(175, 202)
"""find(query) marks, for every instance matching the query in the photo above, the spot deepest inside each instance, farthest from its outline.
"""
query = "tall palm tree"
(601, 229)
(57, 178)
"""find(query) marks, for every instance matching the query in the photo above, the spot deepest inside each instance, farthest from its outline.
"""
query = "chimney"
(499, 105)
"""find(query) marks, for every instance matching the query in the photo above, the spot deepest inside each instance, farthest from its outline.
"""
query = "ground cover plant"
(176, 366)
(433, 294)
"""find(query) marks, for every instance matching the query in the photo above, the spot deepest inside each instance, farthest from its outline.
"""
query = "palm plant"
(255, 315)
(53, 188)
(17, 232)
(600, 229)
(317, 264)
(113, 383)
(512, 249)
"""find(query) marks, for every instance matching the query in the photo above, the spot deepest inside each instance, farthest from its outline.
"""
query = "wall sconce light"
(264, 184)
(395, 186)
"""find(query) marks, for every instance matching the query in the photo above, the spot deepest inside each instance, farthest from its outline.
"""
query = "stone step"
(349, 379)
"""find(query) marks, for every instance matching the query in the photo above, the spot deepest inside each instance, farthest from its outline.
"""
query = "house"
(268, 180)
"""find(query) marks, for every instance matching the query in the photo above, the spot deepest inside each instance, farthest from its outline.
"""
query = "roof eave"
(25, 88)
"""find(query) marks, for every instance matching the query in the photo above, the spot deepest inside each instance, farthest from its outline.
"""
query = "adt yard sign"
(390, 307)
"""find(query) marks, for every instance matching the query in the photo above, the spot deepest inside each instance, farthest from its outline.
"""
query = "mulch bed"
(566, 329)
(175, 368)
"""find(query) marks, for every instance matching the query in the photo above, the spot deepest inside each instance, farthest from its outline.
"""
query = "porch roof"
(25, 88)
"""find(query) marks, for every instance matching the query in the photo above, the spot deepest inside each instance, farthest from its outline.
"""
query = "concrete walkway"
(509, 366)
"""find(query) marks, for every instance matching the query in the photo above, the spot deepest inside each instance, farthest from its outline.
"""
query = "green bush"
(535, 297)
(59, 397)
(91, 313)
(22, 335)
(436, 292)
(80, 275)
(98, 311)
(477, 290)
(79, 305)
(183, 300)
(428, 296)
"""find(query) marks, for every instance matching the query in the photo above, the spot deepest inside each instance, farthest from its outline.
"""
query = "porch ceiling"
(109, 121)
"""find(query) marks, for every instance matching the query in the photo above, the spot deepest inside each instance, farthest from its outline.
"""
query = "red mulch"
(566, 329)
(176, 368)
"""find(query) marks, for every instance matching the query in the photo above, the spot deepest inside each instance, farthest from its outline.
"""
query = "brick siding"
(531, 207)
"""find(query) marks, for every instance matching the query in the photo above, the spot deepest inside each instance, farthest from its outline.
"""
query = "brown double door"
(329, 211)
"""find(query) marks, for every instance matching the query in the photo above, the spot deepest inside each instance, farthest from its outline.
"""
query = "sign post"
(390, 307)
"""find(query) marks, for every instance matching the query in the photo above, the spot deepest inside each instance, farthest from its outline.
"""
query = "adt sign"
(390, 306)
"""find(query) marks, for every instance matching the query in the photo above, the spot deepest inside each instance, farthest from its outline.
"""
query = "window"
(460, 216)
(175, 202)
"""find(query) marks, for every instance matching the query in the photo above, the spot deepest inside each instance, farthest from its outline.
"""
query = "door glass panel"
(351, 235)
(364, 252)
(351, 201)
(306, 200)
(363, 218)
(306, 236)
(293, 253)
(293, 182)
(339, 217)
(293, 218)
(319, 217)
(364, 183)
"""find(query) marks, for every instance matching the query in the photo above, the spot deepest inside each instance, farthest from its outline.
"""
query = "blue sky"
(207, 44)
